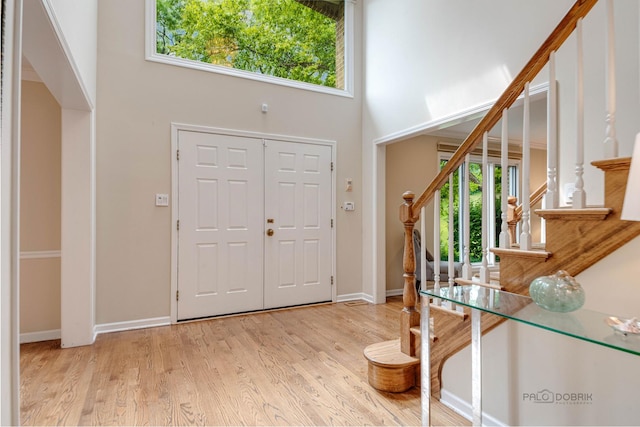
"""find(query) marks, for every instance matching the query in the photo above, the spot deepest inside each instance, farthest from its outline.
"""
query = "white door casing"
(220, 230)
(298, 200)
(226, 185)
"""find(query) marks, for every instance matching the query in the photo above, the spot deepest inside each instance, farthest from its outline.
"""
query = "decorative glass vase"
(559, 292)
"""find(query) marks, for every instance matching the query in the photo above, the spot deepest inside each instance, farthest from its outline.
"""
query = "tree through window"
(476, 187)
(300, 40)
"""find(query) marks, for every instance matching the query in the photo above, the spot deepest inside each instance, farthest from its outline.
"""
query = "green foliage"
(280, 38)
(475, 213)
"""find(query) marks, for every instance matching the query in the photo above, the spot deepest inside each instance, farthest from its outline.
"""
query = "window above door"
(300, 43)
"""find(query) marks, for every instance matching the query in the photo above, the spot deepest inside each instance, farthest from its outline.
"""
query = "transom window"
(281, 41)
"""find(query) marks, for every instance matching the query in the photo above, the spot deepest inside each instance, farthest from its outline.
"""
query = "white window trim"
(153, 56)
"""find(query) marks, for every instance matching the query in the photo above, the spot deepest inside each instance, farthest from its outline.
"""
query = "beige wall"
(137, 102)
(410, 166)
(39, 209)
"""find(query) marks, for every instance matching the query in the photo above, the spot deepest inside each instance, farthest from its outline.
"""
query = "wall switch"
(162, 200)
(349, 206)
(349, 184)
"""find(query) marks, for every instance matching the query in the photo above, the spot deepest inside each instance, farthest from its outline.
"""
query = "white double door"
(254, 224)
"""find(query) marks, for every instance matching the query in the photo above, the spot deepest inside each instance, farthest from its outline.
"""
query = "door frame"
(175, 129)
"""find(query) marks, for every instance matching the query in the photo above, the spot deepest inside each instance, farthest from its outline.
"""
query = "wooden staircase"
(575, 238)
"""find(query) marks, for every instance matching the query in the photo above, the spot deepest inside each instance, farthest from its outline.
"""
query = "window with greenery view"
(476, 187)
(301, 40)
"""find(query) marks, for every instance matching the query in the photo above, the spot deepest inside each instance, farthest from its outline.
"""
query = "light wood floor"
(299, 366)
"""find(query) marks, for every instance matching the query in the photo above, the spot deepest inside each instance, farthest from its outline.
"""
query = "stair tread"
(415, 330)
(533, 253)
(462, 315)
(494, 285)
(389, 354)
(589, 213)
(534, 246)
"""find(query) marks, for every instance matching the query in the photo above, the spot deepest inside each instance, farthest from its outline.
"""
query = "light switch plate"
(162, 200)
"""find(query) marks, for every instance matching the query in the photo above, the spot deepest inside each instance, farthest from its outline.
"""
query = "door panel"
(220, 240)
(298, 199)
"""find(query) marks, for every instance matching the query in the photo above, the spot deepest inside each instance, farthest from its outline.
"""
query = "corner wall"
(40, 194)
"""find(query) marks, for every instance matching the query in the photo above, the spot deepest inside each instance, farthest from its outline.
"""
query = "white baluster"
(466, 266)
(579, 195)
(505, 239)
(525, 236)
(423, 248)
(436, 245)
(486, 182)
(610, 142)
(551, 197)
(450, 256)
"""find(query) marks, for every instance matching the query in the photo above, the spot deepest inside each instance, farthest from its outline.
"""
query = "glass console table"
(587, 325)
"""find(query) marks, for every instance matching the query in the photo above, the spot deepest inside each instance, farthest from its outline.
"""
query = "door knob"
(270, 232)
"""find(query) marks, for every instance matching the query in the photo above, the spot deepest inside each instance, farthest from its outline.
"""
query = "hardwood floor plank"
(301, 366)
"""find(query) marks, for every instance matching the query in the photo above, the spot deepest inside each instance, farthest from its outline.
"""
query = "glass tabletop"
(587, 325)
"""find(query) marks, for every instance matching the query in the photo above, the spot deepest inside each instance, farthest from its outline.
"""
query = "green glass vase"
(559, 292)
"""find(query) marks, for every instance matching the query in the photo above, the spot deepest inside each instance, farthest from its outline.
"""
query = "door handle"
(270, 232)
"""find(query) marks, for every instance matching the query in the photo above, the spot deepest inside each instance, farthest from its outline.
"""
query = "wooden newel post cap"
(406, 209)
(408, 197)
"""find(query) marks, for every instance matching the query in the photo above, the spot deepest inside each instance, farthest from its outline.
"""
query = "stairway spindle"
(450, 254)
(551, 197)
(423, 249)
(436, 245)
(484, 268)
(610, 142)
(525, 236)
(579, 195)
(505, 241)
(466, 266)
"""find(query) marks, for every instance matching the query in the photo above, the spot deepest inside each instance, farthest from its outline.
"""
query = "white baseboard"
(132, 324)
(394, 292)
(28, 337)
(462, 407)
(355, 297)
(368, 298)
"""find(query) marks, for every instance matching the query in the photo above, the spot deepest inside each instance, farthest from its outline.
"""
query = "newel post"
(410, 316)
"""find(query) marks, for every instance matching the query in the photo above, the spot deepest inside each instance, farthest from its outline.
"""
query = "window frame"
(513, 184)
(349, 22)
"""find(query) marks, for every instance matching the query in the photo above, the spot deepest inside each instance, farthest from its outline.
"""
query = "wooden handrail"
(410, 209)
(535, 197)
(562, 31)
